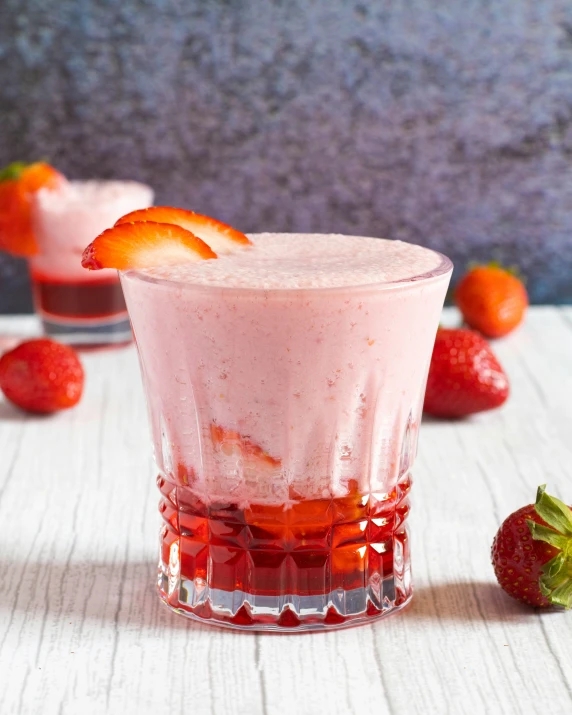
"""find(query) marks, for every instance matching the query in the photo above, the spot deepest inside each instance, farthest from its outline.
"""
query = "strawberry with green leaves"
(532, 553)
(18, 183)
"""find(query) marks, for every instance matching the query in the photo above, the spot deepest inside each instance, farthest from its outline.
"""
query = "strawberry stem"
(554, 512)
(556, 579)
(12, 171)
(513, 270)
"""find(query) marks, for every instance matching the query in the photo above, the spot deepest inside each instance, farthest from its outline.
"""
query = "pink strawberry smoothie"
(306, 354)
(66, 219)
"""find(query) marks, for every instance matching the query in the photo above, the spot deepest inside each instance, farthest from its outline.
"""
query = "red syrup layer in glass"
(79, 300)
(310, 547)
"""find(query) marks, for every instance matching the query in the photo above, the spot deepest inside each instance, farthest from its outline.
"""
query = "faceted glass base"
(285, 613)
(316, 564)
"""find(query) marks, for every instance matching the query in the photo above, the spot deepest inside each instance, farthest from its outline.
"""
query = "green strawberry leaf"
(562, 595)
(554, 512)
(545, 533)
(556, 579)
(12, 171)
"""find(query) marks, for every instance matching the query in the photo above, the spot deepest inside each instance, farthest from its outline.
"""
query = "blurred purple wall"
(446, 127)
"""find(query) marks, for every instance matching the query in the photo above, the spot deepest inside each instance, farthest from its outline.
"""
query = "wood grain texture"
(82, 631)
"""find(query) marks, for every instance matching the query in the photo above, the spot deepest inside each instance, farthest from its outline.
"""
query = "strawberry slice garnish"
(18, 182)
(144, 244)
(219, 236)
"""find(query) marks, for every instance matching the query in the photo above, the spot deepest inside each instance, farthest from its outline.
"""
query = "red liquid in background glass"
(311, 548)
(87, 299)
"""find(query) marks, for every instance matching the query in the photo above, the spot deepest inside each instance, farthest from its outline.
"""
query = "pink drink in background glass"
(285, 388)
(75, 305)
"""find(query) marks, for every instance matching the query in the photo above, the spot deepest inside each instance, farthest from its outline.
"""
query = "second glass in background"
(77, 306)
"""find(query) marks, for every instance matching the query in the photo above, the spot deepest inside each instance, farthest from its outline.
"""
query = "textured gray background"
(443, 123)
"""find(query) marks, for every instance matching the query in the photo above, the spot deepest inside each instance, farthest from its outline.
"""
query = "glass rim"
(444, 268)
(67, 197)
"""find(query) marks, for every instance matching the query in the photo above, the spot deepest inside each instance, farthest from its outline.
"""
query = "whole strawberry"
(18, 182)
(532, 553)
(464, 376)
(41, 376)
(492, 300)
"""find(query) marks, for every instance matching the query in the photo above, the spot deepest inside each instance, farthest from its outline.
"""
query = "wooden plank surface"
(82, 631)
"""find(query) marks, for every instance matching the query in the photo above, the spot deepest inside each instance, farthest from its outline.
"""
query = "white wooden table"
(82, 631)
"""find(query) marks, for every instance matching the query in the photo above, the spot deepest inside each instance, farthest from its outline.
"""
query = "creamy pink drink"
(285, 387)
(76, 305)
